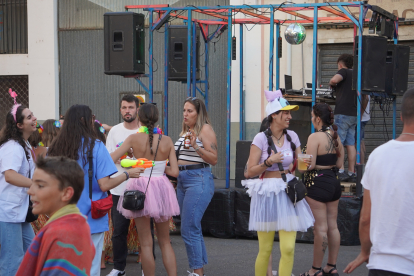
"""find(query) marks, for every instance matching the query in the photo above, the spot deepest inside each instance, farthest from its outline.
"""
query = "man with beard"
(118, 134)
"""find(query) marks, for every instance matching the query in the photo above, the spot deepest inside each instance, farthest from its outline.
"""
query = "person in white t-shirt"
(117, 135)
(16, 169)
(387, 223)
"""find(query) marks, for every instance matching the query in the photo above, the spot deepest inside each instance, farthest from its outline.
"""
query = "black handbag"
(30, 217)
(295, 189)
(134, 199)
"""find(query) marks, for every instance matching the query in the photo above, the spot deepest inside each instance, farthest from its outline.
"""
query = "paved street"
(236, 257)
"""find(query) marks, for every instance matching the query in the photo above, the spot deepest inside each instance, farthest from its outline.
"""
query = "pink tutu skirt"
(160, 201)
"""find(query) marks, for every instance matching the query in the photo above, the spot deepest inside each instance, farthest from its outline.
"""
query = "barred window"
(20, 84)
(13, 26)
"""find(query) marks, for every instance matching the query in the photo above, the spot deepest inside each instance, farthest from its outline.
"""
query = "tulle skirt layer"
(160, 201)
(271, 208)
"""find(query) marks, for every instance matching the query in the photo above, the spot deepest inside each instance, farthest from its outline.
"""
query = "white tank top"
(189, 154)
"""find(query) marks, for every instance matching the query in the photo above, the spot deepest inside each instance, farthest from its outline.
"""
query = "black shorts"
(326, 186)
(377, 272)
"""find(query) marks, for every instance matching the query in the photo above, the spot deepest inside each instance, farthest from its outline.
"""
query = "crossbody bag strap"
(282, 171)
(90, 170)
(159, 139)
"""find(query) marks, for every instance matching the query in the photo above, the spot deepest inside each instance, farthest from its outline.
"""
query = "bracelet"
(127, 175)
(196, 149)
(266, 163)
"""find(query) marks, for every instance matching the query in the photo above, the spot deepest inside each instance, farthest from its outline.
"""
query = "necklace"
(278, 140)
(408, 133)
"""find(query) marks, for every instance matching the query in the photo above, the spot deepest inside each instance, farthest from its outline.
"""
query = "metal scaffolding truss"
(224, 16)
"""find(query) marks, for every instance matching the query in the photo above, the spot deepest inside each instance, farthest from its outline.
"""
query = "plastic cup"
(301, 164)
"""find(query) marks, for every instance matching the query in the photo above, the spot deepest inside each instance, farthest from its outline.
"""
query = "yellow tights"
(287, 250)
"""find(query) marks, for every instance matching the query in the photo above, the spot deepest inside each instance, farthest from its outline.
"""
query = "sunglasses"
(191, 98)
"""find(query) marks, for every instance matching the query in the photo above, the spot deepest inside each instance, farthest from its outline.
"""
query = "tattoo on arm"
(199, 152)
(213, 146)
(324, 243)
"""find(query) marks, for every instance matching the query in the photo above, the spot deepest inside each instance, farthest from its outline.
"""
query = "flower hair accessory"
(277, 102)
(144, 129)
(101, 128)
(13, 111)
(39, 128)
(57, 124)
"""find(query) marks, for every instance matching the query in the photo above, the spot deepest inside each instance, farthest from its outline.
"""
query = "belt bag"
(295, 189)
(99, 208)
(134, 199)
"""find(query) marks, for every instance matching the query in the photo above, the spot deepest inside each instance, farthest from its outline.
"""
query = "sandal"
(318, 270)
(329, 273)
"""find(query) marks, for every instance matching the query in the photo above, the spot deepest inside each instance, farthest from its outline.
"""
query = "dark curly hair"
(268, 134)
(324, 111)
(10, 130)
(347, 60)
(148, 116)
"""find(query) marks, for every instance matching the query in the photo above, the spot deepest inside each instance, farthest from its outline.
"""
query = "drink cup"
(301, 164)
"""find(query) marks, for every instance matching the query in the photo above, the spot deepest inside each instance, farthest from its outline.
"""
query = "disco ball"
(295, 34)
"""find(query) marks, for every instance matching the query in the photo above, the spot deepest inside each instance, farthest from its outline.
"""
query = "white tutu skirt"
(160, 201)
(271, 208)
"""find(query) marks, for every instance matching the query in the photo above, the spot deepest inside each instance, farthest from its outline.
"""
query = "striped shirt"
(188, 154)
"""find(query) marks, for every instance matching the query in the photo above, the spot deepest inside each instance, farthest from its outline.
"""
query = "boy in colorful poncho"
(63, 246)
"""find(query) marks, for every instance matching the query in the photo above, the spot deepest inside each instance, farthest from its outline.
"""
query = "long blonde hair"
(202, 116)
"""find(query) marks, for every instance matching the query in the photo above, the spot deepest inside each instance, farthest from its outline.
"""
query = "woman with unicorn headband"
(271, 209)
(16, 169)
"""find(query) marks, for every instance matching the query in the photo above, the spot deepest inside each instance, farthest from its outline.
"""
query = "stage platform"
(227, 216)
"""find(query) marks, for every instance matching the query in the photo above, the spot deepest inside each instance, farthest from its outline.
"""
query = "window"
(20, 84)
(13, 26)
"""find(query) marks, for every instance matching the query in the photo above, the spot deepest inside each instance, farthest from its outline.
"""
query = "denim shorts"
(363, 124)
(346, 128)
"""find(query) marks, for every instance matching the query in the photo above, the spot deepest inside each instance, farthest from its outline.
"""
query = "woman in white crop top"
(271, 209)
(160, 201)
(195, 185)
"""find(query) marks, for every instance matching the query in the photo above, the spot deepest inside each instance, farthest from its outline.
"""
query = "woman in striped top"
(195, 185)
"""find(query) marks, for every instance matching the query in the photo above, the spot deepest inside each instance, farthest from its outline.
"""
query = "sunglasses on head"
(191, 98)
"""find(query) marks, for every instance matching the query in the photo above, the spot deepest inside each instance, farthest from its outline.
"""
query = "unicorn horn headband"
(13, 94)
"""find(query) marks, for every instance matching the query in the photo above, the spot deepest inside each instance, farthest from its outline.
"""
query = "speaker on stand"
(397, 65)
(373, 75)
(177, 60)
(124, 43)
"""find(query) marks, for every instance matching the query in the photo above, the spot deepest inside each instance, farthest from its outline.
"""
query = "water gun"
(139, 163)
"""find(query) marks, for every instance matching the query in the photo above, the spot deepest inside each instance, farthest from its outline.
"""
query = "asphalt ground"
(236, 257)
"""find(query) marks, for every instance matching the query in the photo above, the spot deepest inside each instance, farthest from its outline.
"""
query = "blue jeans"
(346, 128)
(195, 189)
(98, 241)
(15, 239)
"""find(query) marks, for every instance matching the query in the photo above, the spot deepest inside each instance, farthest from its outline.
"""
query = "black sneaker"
(343, 177)
(352, 178)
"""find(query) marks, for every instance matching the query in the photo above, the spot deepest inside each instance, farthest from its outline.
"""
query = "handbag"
(99, 208)
(295, 189)
(30, 217)
(134, 199)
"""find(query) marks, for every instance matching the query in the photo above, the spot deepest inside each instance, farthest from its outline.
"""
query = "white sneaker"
(116, 272)
(192, 273)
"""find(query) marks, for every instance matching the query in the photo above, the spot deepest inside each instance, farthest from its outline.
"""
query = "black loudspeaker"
(124, 43)
(374, 50)
(177, 60)
(242, 155)
(397, 64)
